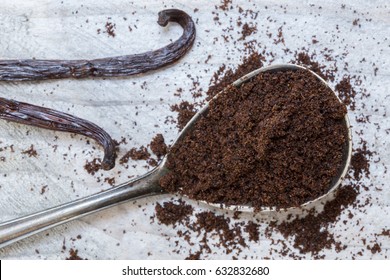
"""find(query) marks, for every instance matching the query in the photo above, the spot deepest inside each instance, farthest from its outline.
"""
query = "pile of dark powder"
(277, 140)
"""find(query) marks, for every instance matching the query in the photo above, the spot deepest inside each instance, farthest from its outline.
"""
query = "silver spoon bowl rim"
(239, 82)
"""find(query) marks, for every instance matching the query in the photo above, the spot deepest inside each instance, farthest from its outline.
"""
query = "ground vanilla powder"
(277, 140)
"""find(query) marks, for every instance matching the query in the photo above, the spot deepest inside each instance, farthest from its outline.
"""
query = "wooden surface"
(137, 108)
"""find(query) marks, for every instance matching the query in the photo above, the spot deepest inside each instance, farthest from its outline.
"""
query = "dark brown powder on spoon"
(276, 141)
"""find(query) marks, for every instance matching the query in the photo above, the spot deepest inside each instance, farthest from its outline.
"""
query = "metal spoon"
(143, 186)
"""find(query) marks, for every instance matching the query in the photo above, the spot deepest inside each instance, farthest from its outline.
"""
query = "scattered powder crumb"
(346, 92)
(304, 59)
(110, 181)
(360, 164)
(210, 224)
(152, 162)
(92, 166)
(31, 152)
(356, 22)
(376, 248)
(247, 30)
(171, 213)
(253, 230)
(158, 146)
(110, 29)
(226, 5)
(135, 154)
(43, 189)
(73, 255)
(194, 256)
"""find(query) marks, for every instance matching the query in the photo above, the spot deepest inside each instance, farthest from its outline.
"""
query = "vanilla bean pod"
(29, 114)
(36, 69)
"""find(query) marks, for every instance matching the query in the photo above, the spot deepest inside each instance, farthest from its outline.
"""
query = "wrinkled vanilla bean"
(55, 120)
(31, 69)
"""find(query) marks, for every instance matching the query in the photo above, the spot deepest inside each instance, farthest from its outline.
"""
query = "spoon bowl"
(347, 151)
(146, 185)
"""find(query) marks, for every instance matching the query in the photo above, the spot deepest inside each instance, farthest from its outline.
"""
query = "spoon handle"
(20, 228)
